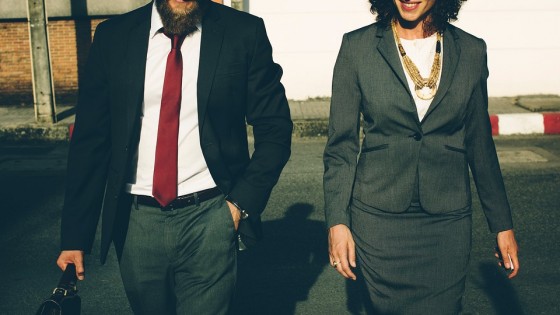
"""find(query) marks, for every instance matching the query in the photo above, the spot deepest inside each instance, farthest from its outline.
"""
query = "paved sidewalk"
(532, 114)
(538, 114)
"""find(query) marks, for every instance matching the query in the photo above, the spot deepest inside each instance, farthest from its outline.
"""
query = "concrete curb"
(502, 124)
(525, 124)
(35, 133)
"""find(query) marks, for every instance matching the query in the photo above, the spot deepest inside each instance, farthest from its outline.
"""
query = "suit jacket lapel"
(137, 50)
(388, 49)
(451, 54)
(210, 47)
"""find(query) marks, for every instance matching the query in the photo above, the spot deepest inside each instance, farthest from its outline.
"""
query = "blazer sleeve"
(269, 115)
(482, 157)
(341, 151)
(89, 154)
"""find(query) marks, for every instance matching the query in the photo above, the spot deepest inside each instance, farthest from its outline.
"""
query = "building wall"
(15, 65)
(523, 44)
(17, 9)
(69, 45)
(70, 35)
(306, 36)
(522, 37)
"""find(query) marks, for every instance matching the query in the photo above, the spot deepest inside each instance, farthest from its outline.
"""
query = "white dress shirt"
(422, 52)
(193, 173)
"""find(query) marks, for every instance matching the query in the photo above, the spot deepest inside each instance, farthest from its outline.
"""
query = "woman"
(400, 205)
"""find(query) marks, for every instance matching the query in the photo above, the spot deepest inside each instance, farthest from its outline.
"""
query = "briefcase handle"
(68, 279)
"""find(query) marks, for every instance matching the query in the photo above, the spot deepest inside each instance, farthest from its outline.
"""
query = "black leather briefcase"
(64, 299)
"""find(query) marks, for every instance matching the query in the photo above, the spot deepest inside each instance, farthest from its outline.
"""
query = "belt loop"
(196, 200)
(135, 202)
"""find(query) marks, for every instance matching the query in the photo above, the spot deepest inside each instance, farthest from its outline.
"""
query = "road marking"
(520, 156)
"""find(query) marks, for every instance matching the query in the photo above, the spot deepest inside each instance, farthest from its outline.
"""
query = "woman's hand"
(507, 248)
(342, 250)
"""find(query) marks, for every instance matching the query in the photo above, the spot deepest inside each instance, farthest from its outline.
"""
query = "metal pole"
(237, 4)
(43, 89)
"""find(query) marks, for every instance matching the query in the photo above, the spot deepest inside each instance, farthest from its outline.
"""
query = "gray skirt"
(412, 262)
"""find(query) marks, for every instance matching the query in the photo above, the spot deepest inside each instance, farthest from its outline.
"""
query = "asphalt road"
(288, 273)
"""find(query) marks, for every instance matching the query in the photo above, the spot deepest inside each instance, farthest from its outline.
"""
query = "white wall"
(522, 36)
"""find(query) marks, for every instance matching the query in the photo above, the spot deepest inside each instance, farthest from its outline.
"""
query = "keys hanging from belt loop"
(196, 200)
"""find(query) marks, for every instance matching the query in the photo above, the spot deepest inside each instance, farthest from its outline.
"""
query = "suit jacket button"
(417, 137)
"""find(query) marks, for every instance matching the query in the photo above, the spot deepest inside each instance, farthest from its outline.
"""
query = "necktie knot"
(176, 40)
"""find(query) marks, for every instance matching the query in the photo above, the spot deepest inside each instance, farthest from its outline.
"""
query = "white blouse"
(422, 52)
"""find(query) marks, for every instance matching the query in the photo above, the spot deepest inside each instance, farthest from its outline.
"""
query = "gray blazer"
(397, 147)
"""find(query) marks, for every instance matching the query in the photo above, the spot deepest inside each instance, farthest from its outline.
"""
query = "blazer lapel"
(388, 49)
(210, 47)
(137, 51)
(451, 54)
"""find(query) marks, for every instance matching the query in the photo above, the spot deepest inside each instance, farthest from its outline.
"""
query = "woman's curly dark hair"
(442, 12)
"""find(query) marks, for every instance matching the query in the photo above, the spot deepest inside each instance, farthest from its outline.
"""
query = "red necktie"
(165, 169)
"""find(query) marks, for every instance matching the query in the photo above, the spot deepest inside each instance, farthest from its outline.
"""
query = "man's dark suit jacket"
(399, 152)
(238, 83)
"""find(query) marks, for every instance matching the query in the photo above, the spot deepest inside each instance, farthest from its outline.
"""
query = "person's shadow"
(357, 302)
(280, 270)
(499, 289)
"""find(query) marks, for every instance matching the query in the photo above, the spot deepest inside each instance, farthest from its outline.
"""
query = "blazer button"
(417, 137)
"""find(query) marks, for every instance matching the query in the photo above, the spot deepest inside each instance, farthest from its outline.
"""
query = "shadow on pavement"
(66, 113)
(279, 272)
(21, 197)
(28, 240)
(499, 290)
(356, 301)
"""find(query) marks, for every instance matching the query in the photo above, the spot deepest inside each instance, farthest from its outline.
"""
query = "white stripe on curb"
(520, 124)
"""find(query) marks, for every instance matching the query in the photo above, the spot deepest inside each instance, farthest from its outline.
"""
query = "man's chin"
(179, 17)
(182, 6)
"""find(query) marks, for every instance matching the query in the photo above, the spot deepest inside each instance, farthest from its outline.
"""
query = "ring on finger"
(335, 264)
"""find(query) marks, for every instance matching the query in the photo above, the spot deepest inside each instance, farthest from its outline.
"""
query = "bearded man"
(160, 149)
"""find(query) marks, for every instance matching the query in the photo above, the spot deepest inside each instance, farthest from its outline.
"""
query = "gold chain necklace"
(421, 84)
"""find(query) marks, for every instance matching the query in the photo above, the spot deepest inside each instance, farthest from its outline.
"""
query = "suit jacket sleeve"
(88, 156)
(269, 115)
(341, 151)
(482, 157)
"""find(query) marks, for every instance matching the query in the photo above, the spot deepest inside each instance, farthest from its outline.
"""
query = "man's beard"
(180, 21)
